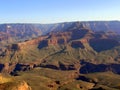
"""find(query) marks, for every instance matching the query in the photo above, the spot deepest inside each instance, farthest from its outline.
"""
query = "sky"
(53, 11)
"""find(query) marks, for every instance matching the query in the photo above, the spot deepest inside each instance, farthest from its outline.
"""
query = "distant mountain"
(25, 31)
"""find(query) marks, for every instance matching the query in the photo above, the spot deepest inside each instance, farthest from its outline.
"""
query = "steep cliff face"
(59, 38)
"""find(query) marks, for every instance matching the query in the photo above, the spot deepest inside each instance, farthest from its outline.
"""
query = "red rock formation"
(22, 45)
(56, 39)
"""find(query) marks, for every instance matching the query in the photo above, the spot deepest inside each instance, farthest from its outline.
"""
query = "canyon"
(82, 47)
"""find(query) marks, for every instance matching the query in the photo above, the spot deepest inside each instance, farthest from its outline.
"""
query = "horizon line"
(59, 22)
